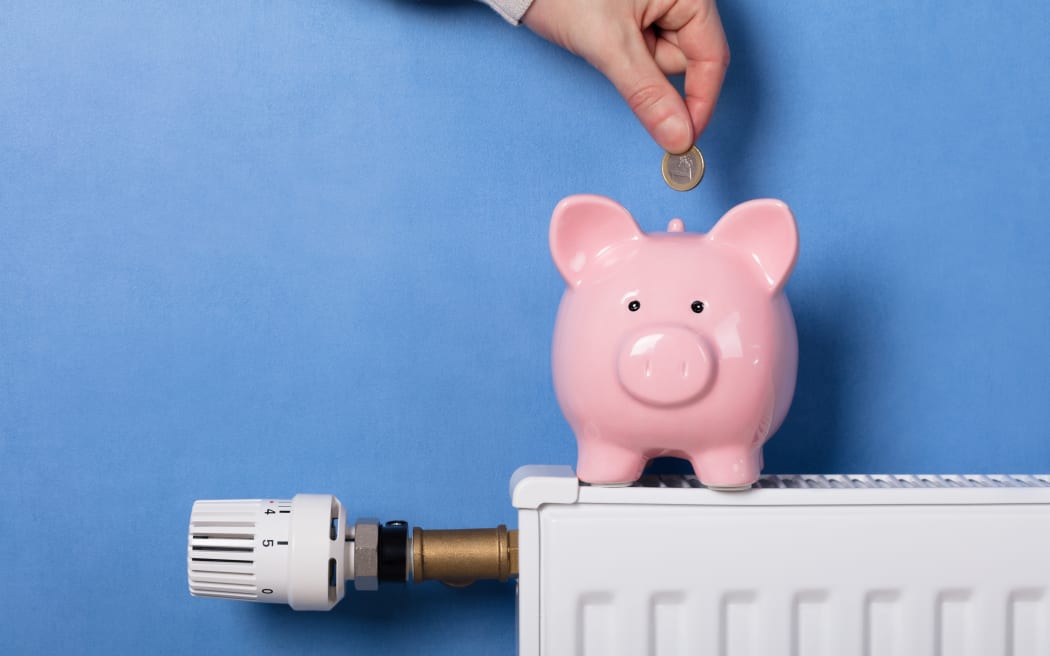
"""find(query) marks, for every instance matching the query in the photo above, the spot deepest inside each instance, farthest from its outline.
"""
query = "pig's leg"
(728, 468)
(608, 464)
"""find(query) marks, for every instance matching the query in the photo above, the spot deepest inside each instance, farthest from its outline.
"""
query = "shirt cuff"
(512, 10)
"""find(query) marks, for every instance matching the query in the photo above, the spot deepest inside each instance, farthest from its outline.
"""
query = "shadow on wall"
(811, 438)
(441, 5)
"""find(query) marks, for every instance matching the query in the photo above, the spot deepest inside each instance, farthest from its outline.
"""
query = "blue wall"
(253, 249)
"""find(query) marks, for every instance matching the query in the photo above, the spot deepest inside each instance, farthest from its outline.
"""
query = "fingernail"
(674, 132)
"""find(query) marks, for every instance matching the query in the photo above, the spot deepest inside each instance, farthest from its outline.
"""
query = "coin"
(685, 171)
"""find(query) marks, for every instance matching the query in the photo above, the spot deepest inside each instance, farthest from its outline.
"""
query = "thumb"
(649, 94)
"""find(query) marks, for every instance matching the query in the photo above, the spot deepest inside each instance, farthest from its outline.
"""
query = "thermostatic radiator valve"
(302, 552)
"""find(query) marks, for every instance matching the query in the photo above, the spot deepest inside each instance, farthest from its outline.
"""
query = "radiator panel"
(807, 571)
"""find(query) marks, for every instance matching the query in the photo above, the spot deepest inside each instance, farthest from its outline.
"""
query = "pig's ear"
(764, 231)
(583, 231)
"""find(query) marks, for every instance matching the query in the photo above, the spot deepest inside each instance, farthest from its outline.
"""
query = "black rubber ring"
(393, 552)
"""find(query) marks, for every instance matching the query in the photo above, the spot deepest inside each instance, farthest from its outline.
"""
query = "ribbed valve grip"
(269, 550)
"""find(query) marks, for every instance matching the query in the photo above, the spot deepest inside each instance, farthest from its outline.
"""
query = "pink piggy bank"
(673, 344)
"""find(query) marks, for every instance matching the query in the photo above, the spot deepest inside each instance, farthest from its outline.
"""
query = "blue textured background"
(253, 249)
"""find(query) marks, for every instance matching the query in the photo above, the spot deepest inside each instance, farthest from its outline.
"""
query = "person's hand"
(637, 44)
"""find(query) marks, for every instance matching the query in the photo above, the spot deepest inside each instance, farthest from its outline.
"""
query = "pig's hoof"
(616, 484)
(608, 466)
(729, 488)
(728, 469)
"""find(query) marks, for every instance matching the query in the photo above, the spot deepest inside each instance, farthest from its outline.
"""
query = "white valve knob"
(270, 550)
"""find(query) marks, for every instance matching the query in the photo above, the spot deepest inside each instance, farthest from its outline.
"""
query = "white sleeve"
(512, 10)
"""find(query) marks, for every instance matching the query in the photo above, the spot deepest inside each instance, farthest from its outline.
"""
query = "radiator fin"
(740, 624)
(882, 625)
(667, 625)
(597, 632)
(810, 624)
(1029, 625)
(955, 623)
(861, 481)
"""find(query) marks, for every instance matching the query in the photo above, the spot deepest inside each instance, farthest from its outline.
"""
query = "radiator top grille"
(862, 481)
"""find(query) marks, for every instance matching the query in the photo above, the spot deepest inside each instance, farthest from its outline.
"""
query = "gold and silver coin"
(685, 171)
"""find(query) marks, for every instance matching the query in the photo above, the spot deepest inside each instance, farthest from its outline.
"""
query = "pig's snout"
(666, 365)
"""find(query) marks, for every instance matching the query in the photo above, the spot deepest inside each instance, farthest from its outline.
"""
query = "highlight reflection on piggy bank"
(673, 344)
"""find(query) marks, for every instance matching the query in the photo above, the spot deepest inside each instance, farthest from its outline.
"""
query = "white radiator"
(802, 566)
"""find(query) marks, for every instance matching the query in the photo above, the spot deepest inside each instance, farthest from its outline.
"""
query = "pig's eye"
(633, 306)
(698, 306)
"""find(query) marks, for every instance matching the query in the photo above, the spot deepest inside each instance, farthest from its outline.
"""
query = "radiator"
(800, 566)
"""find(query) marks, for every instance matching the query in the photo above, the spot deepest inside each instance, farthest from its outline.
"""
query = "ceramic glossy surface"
(673, 344)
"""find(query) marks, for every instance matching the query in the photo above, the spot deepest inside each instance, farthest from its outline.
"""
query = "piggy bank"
(673, 344)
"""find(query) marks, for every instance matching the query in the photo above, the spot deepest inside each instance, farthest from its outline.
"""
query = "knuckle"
(645, 97)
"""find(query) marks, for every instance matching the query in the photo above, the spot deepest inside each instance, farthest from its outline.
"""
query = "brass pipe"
(459, 557)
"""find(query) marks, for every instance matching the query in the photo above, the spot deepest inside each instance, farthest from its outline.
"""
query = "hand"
(637, 44)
